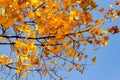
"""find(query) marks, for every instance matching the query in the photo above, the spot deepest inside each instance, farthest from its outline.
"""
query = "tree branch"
(45, 37)
(13, 43)
(38, 7)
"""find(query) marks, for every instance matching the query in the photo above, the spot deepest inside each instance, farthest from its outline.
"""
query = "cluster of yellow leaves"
(24, 28)
(25, 47)
(26, 60)
(22, 68)
(23, 65)
(5, 60)
(56, 26)
(71, 52)
(95, 29)
(97, 33)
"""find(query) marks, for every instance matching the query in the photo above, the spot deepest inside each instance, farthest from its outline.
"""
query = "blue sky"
(107, 66)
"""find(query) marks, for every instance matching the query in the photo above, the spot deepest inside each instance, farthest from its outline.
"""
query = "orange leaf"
(117, 2)
(44, 73)
(101, 10)
(61, 78)
(70, 67)
(9, 23)
(94, 59)
(86, 56)
(31, 14)
(80, 58)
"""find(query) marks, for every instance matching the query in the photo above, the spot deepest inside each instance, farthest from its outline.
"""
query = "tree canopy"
(46, 36)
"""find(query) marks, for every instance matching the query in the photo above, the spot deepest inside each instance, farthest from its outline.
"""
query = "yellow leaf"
(65, 44)
(2, 38)
(99, 22)
(17, 71)
(2, 56)
(31, 14)
(27, 28)
(71, 18)
(59, 35)
(24, 28)
(55, 62)
(34, 1)
(56, 50)
(9, 22)
(94, 29)
(94, 59)
(2, 11)
(23, 75)
(104, 32)
(72, 15)
(4, 3)
(38, 13)
(26, 5)
(3, 19)
(70, 52)
(3, 59)
(93, 48)
(18, 64)
(32, 47)
(10, 61)
(1, 1)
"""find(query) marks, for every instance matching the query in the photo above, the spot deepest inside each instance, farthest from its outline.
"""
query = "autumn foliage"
(46, 35)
